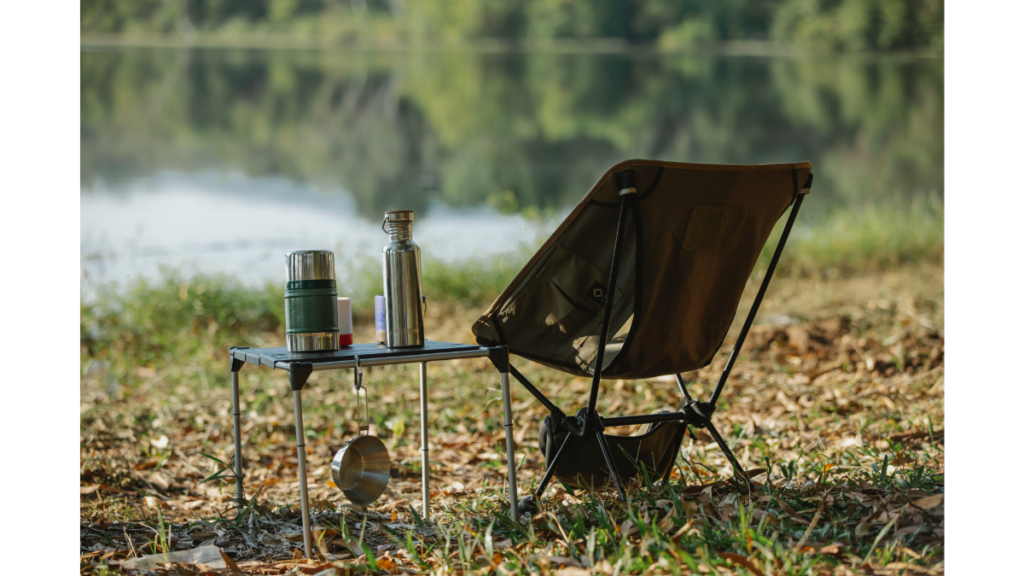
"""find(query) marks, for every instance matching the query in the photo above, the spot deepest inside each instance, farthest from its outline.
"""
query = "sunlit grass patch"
(872, 237)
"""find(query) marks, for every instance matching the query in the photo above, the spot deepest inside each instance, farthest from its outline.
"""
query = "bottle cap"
(309, 265)
(399, 216)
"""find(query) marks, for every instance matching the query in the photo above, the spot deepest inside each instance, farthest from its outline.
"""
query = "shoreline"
(276, 41)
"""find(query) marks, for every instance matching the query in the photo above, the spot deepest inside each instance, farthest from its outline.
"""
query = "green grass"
(874, 237)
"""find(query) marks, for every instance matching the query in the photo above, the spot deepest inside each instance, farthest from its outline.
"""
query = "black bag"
(583, 465)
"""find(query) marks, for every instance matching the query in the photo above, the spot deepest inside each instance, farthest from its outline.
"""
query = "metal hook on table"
(358, 385)
(358, 375)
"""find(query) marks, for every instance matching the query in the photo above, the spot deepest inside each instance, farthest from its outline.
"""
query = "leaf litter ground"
(836, 407)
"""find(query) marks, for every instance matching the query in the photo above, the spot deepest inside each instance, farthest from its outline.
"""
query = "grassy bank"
(875, 237)
(840, 406)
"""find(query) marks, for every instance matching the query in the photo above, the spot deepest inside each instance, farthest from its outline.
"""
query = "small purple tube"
(380, 319)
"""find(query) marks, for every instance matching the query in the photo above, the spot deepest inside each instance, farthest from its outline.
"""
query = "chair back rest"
(692, 236)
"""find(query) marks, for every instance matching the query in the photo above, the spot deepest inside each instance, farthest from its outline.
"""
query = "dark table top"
(270, 356)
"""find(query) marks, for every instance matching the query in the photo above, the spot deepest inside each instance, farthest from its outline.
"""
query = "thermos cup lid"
(309, 265)
(399, 216)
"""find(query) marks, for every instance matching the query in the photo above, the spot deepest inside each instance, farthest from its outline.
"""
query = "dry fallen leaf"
(833, 549)
(791, 512)
(666, 523)
(154, 502)
(908, 530)
(627, 528)
(770, 518)
(928, 502)
(572, 571)
(559, 561)
(387, 564)
(863, 528)
(742, 561)
(159, 481)
(683, 530)
(231, 564)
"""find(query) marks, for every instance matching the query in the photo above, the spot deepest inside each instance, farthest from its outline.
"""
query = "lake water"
(223, 160)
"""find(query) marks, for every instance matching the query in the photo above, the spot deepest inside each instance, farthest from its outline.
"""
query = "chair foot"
(612, 472)
(737, 470)
(528, 505)
(550, 472)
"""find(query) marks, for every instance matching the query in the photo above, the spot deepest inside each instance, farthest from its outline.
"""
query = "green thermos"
(310, 301)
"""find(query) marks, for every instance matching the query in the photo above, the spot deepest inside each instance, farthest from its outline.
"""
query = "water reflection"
(516, 132)
(229, 223)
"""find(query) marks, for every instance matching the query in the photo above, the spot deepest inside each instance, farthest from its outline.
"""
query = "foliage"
(858, 25)
(819, 24)
(155, 322)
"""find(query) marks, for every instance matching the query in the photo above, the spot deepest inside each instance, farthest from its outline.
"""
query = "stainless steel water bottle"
(403, 285)
(310, 301)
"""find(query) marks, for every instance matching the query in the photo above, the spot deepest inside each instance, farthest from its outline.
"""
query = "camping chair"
(655, 297)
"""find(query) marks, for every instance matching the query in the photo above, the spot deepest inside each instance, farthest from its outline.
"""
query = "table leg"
(236, 411)
(300, 447)
(510, 446)
(424, 440)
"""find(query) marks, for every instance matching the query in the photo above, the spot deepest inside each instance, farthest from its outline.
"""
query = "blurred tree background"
(835, 25)
(517, 131)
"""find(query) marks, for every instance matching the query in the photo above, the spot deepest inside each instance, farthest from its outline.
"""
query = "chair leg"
(236, 414)
(539, 493)
(737, 469)
(611, 465)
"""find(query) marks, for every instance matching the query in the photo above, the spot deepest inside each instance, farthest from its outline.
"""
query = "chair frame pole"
(613, 473)
(609, 300)
(550, 471)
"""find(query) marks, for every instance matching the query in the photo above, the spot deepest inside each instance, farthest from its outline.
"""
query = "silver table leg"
(236, 411)
(300, 447)
(424, 440)
(510, 447)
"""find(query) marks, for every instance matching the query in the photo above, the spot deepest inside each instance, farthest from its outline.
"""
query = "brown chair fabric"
(692, 236)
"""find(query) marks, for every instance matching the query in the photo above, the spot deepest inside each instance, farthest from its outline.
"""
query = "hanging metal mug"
(362, 468)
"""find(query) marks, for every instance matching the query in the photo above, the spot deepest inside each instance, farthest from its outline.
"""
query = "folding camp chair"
(655, 297)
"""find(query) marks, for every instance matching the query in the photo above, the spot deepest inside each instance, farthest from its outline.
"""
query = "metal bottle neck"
(398, 231)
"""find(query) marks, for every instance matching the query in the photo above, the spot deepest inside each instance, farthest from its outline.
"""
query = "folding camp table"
(301, 365)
